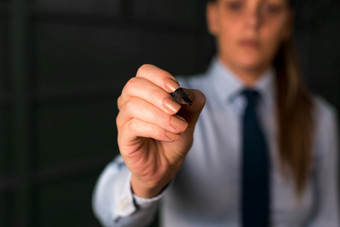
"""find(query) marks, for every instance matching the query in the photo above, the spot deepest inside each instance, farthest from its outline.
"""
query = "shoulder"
(325, 126)
(324, 111)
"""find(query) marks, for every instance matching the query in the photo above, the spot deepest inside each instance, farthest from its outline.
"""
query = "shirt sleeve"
(114, 204)
(327, 213)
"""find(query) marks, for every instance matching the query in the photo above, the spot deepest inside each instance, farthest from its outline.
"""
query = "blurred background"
(63, 64)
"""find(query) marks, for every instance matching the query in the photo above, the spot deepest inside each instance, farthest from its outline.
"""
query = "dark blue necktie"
(255, 167)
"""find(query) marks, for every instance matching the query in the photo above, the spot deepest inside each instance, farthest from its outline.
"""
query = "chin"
(250, 63)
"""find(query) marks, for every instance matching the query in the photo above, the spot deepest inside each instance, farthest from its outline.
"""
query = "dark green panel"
(189, 12)
(67, 204)
(106, 7)
(6, 162)
(73, 132)
(318, 48)
(75, 57)
(4, 77)
(7, 201)
(3, 210)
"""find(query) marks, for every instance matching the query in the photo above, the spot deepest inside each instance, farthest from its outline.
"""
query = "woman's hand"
(154, 132)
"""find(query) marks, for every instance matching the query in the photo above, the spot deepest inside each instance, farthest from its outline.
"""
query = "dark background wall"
(62, 66)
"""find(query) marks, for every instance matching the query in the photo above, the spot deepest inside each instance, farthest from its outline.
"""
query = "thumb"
(192, 112)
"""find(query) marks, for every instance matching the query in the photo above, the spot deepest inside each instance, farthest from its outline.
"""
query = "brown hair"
(294, 116)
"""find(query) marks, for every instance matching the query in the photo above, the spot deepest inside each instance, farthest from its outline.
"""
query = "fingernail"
(178, 123)
(172, 136)
(171, 85)
(171, 106)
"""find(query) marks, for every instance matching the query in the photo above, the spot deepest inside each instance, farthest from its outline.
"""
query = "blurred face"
(249, 32)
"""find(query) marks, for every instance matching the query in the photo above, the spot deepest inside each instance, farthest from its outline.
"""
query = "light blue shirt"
(206, 190)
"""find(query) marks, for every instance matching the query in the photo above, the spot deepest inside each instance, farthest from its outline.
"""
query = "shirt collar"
(228, 85)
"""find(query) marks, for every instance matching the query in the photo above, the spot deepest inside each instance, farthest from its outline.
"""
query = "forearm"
(114, 203)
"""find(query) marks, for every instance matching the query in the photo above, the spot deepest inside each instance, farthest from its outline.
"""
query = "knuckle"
(156, 94)
(118, 121)
(168, 120)
(161, 118)
(132, 125)
(131, 84)
(142, 69)
(156, 131)
(128, 106)
(132, 105)
(157, 116)
(119, 102)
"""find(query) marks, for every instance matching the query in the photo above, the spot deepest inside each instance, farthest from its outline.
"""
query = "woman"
(262, 152)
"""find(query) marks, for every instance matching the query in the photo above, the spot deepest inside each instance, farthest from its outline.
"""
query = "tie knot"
(251, 96)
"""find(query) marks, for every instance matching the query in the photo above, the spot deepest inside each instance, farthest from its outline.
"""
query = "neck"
(249, 76)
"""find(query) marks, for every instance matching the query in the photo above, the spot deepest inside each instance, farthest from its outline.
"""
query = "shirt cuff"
(148, 202)
(126, 202)
(123, 199)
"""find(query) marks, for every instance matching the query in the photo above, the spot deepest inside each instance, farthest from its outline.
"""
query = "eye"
(234, 5)
(272, 8)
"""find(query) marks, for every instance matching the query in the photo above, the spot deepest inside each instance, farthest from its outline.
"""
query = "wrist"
(145, 190)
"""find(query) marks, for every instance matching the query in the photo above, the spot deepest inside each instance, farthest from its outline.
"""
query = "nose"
(253, 18)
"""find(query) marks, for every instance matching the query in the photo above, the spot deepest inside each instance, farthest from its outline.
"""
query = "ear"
(211, 12)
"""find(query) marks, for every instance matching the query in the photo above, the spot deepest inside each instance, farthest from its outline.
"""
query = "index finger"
(158, 77)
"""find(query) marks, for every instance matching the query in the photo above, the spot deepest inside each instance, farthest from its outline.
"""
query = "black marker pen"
(181, 97)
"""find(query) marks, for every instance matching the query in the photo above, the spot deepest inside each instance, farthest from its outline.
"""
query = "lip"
(249, 43)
